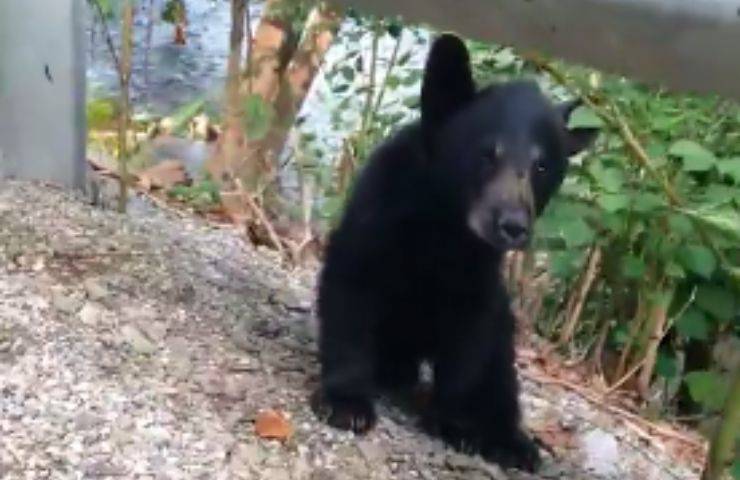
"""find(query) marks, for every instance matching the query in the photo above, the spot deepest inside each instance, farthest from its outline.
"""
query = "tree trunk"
(656, 322)
(723, 443)
(318, 34)
(124, 76)
(271, 48)
(231, 152)
(269, 52)
(578, 295)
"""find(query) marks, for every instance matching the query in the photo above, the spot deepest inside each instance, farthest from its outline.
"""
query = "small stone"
(235, 386)
(65, 303)
(95, 289)
(602, 453)
(180, 366)
(246, 456)
(372, 452)
(210, 383)
(91, 313)
(276, 474)
(154, 330)
(137, 340)
(322, 474)
(86, 421)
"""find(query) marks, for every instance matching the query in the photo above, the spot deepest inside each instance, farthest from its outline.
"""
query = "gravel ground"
(145, 346)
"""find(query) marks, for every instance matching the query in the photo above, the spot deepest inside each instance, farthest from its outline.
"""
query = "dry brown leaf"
(556, 436)
(166, 175)
(273, 425)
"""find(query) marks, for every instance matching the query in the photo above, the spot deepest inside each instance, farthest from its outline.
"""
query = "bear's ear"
(576, 139)
(448, 82)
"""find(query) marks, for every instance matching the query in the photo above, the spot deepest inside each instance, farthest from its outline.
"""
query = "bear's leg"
(398, 357)
(476, 391)
(347, 339)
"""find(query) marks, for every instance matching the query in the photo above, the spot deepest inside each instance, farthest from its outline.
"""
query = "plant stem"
(391, 63)
(124, 77)
(723, 442)
(368, 110)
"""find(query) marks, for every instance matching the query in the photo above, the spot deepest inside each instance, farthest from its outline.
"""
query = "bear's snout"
(514, 227)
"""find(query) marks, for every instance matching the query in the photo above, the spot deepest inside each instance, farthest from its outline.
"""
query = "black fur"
(406, 279)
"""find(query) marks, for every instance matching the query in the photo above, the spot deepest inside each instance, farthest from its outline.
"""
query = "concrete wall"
(42, 90)
(689, 45)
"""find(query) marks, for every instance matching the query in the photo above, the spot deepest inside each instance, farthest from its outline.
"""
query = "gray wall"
(42, 90)
(689, 45)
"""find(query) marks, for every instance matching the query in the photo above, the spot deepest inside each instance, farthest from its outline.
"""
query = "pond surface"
(166, 75)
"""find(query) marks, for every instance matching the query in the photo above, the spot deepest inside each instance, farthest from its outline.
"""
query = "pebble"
(138, 342)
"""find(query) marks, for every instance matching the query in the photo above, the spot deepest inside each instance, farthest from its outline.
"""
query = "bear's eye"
(535, 154)
(489, 156)
(540, 167)
(499, 150)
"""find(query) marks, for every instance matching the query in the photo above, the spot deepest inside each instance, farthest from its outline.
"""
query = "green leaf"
(584, 117)
(646, 202)
(725, 221)
(100, 113)
(632, 267)
(666, 365)
(680, 224)
(348, 73)
(393, 82)
(707, 389)
(576, 232)
(730, 168)
(609, 179)
(717, 301)
(695, 157)
(674, 270)
(698, 259)
(341, 88)
(564, 264)
(735, 469)
(613, 202)
(258, 116)
(413, 102)
(693, 324)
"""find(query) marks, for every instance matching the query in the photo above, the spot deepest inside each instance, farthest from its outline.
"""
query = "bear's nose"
(514, 226)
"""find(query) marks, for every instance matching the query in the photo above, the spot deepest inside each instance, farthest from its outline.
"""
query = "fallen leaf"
(165, 175)
(273, 425)
(556, 436)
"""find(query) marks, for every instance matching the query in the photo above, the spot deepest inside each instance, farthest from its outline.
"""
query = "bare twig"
(636, 367)
(106, 32)
(391, 63)
(600, 402)
(124, 78)
(262, 217)
(148, 46)
(579, 294)
(368, 110)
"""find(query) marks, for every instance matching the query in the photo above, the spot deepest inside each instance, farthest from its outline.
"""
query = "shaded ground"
(144, 347)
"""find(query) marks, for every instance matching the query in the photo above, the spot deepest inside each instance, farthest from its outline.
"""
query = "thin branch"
(598, 400)
(107, 34)
(262, 217)
(391, 63)
(669, 324)
(367, 111)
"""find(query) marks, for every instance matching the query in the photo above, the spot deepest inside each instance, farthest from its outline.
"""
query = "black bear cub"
(412, 272)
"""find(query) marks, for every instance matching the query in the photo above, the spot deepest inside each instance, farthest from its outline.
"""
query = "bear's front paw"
(356, 414)
(518, 452)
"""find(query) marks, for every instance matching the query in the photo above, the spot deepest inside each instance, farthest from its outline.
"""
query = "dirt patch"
(145, 346)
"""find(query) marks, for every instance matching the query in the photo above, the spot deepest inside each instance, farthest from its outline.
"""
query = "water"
(179, 74)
